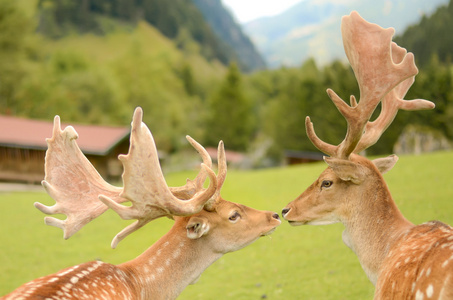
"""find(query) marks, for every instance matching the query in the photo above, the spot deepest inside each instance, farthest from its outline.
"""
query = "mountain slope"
(231, 33)
(204, 21)
(311, 28)
(437, 30)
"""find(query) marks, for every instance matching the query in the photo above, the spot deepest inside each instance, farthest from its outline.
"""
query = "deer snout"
(285, 211)
(276, 216)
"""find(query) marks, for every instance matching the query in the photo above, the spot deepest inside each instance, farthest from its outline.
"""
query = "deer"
(205, 225)
(402, 260)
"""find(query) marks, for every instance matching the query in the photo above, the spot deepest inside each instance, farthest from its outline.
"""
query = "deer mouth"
(297, 223)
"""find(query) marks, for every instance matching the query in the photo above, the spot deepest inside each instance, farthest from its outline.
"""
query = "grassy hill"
(307, 262)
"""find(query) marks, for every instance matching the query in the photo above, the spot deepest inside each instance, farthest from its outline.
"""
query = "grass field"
(307, 262)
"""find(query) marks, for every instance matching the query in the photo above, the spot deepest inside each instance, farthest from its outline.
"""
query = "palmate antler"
(77, 187)
(384, 72)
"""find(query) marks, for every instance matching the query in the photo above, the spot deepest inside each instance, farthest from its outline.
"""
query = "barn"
(23, 146)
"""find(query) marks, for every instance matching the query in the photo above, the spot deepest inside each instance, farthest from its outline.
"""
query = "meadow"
(306, 262)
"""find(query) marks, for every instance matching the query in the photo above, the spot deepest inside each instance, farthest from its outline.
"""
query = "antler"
(193, 186)
(382, 69)
(187, 191)
(145, 186)
(77, 187)
(222, 172)
(73, 182)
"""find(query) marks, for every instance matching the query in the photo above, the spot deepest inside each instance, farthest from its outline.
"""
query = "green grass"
(307, 262)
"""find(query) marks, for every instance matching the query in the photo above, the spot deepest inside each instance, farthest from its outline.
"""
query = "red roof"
(231, 156)
(32, 134)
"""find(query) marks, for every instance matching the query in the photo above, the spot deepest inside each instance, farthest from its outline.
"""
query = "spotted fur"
(420, 265)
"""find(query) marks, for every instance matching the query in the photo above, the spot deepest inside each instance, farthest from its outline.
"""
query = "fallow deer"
(403, 260)
(206, 226)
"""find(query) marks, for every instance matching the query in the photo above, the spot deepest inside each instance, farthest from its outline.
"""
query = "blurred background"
(247, 72)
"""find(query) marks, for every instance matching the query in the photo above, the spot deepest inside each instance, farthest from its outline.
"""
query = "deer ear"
(346, 169)
(197, 227)
(385, 164)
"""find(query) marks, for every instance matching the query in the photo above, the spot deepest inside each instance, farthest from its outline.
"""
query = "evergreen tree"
(230, 115)
(15, 30)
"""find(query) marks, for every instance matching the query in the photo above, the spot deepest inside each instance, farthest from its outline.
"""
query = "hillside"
(436, 29)
(312, 28)
(231, 33)
(179, 20)
(99, 78)
(95, 78)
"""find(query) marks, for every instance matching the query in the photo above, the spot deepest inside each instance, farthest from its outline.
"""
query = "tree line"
(97, 79)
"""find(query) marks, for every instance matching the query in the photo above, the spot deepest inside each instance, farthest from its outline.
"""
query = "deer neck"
(372, 225)
(167, 267)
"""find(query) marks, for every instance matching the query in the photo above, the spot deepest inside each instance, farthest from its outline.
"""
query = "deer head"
(206, 226)
(352, 190)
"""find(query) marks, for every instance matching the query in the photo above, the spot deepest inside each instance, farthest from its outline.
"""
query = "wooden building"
(23, 146)
(293, 157)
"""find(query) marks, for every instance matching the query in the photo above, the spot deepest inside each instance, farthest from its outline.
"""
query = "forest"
(95, 61)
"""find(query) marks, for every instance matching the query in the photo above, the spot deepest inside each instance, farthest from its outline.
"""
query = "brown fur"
(420, 265)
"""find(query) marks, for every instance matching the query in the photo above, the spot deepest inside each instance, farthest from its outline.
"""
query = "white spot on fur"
(177, 253)
(419, 295)
(145, 269)
(430, 291)
(67, 271)
(74, 279)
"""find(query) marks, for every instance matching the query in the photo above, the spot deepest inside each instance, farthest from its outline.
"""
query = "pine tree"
(230, 116)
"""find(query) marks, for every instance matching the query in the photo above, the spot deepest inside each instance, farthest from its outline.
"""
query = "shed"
(232, 157)
(23, 146)
(293, 157)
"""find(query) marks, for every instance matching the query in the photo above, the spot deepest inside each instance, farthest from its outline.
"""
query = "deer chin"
(268, 232)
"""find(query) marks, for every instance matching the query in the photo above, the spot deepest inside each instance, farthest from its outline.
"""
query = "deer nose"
(276, 216)
(285, 211)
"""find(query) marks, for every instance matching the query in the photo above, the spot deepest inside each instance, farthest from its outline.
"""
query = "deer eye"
(234, 217)
(326, 183)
